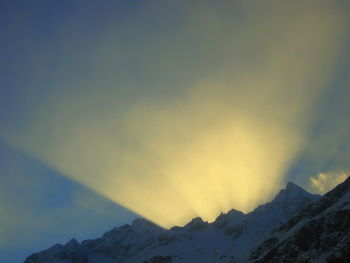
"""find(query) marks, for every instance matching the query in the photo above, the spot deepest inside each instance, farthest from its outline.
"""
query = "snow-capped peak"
(293, 193)
(232, 216)
(318, 233)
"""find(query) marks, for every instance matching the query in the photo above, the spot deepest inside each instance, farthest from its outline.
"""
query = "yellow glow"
(225, 142)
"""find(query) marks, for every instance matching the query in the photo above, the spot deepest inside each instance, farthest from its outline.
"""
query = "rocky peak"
(143, 224)
(293, 193)
(287, 202)
(232, 216)
(318, 233)
(290, 186)
(195, 224)
(73, 243)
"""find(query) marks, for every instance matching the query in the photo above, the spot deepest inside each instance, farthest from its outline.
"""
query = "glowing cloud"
(323, 182)
(197, 121)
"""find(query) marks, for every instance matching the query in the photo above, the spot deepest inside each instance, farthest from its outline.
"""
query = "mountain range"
(296, 226)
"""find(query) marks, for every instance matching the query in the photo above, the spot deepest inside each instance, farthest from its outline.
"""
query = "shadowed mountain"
(319, 233)
(230, 238)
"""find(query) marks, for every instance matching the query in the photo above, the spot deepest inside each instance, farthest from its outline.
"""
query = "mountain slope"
(113, 246)
(228, 239)
(319, 233)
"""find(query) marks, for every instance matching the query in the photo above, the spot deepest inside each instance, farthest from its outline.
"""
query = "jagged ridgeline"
(295, 226)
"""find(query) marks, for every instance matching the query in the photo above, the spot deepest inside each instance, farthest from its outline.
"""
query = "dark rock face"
(309, 235)
(319, 232)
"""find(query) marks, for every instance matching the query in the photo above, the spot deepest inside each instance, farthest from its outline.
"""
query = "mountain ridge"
(318, 233)
(232, 237)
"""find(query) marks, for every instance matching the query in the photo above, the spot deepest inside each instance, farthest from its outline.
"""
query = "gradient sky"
(111, 110)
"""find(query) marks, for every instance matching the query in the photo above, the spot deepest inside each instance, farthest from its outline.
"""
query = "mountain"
(319, 233)
(230, 238)
(113, 246)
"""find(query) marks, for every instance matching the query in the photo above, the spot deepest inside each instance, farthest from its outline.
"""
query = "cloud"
(324, 182)
(196, 117)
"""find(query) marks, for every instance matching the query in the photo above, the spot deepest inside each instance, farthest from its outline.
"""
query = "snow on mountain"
(230, 238)
(113, 246)
(319, 233)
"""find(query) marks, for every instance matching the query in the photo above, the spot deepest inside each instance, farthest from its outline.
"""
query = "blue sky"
(117, 109)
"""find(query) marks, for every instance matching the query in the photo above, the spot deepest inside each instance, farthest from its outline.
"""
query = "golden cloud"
(324, 182)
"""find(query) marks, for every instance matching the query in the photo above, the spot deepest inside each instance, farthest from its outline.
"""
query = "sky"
(168, 110)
